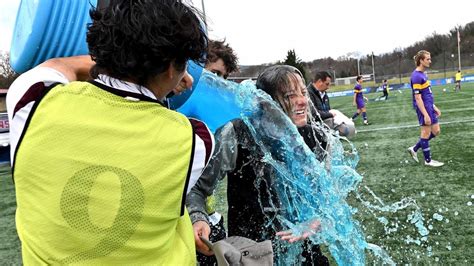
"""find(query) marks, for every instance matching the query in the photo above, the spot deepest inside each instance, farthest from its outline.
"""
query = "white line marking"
(410, 126)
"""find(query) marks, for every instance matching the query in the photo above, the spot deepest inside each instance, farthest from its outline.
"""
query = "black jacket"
(252, 200)
(321, 104)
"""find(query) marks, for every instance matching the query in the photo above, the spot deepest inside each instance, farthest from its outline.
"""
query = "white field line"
(411, 126)
(369, 110)
(439, 101)
(456, 110)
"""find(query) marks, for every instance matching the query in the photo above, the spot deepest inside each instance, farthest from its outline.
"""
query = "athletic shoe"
(366, 123)
(413, 154)
(434, 163)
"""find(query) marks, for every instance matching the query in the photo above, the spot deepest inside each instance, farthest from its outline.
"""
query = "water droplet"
(422, 193)
(430, 227)
(472, 196)
(436, 259)
(456, 213)
(438, 216)
(469, 203)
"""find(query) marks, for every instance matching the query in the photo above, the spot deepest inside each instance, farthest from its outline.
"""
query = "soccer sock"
(417, 145)
(355, 115)
(432, 136)
(425, 145)
(364, 115)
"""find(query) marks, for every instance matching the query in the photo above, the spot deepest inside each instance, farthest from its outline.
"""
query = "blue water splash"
(310, 189)
(313, 190)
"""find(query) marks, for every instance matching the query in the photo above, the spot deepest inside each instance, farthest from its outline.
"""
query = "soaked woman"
(253, 202)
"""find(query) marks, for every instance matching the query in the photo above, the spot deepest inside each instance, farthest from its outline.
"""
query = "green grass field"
(404, 79)
(390, 173)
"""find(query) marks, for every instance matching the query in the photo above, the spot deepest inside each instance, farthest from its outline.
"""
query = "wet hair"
(139, 39)
(384, 80)
(358, 78)
(277, 81)
(322, 75)
(420, 56)
(221, 50)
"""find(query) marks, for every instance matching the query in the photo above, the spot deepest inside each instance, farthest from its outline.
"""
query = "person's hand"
(202, 229)
(438, 112)
(332, 112)
(313, 228)
(427, 119)
(353, 103)
(185, 83)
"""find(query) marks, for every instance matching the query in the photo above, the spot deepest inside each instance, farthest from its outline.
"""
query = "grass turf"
(389, 172)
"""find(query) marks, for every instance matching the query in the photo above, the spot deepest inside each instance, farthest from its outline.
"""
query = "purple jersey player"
(427, 112)
(359, 100)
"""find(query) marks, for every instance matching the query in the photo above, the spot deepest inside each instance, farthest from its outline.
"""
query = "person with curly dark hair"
(221, 59)
(102, 168)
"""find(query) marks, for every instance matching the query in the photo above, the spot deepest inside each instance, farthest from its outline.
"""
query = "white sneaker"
(413, 154)
(434, 163)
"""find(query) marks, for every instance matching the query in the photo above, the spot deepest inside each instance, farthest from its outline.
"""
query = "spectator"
(317, 93)
(321, 110)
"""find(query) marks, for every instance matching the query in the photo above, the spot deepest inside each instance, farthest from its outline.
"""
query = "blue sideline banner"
(403, 86)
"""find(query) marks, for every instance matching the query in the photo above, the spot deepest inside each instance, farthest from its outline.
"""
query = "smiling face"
(285, 84)
(295, 101)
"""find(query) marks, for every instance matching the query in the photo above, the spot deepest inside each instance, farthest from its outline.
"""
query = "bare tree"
(7, 74)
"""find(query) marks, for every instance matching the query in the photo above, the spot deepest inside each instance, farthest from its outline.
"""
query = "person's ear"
(171, 71)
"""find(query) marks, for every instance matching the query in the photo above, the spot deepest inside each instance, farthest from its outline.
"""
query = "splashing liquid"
(309, 189)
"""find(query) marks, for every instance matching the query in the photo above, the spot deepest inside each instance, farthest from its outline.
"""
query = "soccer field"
(444, 195)
(390, 172)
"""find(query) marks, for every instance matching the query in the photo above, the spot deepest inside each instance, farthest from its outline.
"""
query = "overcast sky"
(262, 31)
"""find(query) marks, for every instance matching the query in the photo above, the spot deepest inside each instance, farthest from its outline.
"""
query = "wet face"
(295, 96)
(426, 62)
(218, 68)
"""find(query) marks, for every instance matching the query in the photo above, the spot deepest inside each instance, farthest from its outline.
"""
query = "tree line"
(443, 48)
(399, 62)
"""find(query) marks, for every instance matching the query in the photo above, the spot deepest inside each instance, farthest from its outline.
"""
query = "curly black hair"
(221, 50)
(139, 39)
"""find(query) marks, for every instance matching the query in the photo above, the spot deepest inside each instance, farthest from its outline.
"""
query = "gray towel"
(236, 250)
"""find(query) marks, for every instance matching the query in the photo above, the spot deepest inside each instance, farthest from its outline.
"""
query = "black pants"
(313, 255)
(217, 233)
